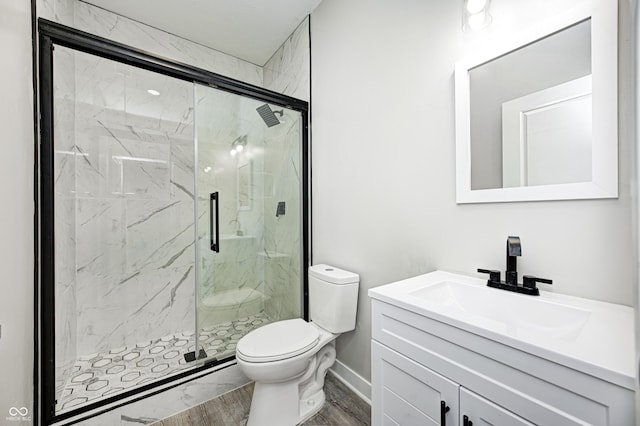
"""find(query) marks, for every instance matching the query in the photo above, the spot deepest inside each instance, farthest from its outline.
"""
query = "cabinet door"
(483, 412)
(406, 393)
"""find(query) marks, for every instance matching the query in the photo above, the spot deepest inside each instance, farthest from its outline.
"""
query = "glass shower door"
(248, 216)
(124, 230)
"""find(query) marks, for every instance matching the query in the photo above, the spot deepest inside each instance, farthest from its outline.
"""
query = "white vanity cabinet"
(409, 393)
(479, 411)
(412, 394)
(419, 360)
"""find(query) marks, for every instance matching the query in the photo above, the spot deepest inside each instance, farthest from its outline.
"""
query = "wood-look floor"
(342, 408)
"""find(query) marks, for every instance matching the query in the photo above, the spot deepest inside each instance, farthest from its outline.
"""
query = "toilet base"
(274, 405)
(292, 402)
(311, 406)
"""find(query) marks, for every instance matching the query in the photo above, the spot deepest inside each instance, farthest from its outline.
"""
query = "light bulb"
(233, 152)
(475, 6)
(153, 92)
(476, 21)
(239, 148)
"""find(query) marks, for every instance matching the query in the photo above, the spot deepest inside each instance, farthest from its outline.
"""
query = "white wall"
(16, 214)
(384, 161)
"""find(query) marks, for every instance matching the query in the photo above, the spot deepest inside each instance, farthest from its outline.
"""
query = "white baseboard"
(358, 384)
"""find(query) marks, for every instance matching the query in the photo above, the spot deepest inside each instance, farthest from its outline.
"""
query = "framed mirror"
(537, 114)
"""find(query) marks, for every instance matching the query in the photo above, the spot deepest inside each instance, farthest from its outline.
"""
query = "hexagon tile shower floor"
(102, 375)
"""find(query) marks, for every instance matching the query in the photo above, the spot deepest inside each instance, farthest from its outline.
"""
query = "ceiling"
(248, 29)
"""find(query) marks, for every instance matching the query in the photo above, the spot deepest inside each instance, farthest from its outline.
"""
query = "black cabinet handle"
(443, 413)
(215, 244)
(466, 421)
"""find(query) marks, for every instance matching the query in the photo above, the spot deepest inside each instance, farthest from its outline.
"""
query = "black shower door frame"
(51, 34)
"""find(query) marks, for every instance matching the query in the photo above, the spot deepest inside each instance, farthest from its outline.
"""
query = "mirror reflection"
(531, 113)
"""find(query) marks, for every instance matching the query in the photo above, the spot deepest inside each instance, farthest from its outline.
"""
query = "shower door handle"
(215, 244)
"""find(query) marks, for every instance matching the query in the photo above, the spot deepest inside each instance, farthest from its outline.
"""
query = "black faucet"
(514, 250)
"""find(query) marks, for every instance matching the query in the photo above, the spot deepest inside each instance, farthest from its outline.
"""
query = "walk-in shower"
(160, 247)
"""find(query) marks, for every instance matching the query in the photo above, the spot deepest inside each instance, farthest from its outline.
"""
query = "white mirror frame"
(604, 68)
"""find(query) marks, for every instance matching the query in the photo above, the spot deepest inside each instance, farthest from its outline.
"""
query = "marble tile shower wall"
(288, 71)
(106, 24)
(134, 205)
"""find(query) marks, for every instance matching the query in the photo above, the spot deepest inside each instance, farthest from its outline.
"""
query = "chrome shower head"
(269, 116)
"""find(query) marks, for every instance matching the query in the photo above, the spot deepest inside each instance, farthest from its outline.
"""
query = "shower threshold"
(101, 375)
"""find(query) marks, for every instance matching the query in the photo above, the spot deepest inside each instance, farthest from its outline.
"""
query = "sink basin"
(509, 313)
(594, 337)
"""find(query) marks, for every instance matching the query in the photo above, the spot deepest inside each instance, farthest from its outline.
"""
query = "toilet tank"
(333, 298)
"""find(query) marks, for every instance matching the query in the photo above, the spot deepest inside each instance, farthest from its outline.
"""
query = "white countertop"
(604, 347)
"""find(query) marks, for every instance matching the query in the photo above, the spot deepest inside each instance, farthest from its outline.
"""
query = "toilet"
(288, 359)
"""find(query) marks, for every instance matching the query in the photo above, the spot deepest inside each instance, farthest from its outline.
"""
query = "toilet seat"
(277, 341)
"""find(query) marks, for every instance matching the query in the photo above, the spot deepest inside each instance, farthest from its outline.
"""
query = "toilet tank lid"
(333, 275)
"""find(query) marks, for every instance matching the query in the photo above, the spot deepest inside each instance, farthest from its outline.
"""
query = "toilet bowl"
(289, 359)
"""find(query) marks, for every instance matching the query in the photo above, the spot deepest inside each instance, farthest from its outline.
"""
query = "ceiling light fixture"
(476, 21)
(475, 6)
(476, 15)
(153, 92)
